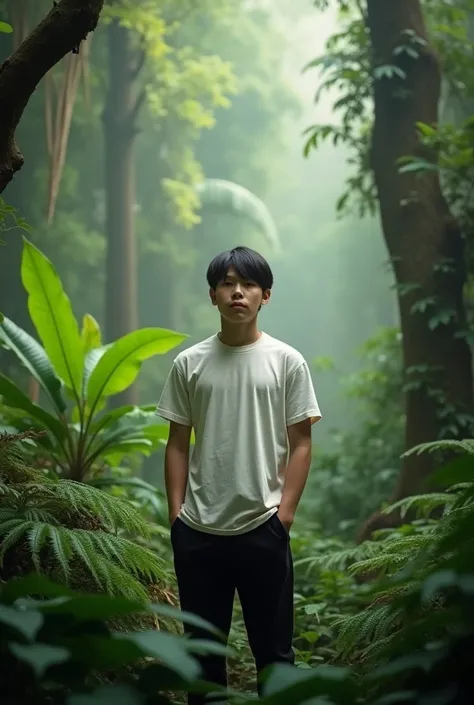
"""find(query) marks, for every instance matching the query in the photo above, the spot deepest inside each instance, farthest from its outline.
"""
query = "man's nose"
(237, 293)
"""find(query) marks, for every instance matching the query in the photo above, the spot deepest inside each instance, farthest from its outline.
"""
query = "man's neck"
(239, 335)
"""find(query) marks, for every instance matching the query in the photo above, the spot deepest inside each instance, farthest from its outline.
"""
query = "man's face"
(237, 299)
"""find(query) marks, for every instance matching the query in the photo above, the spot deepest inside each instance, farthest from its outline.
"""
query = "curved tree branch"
(62, 30)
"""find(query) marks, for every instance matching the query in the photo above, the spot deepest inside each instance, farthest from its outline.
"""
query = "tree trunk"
(425, 246)
(120, 130)
(61, 31)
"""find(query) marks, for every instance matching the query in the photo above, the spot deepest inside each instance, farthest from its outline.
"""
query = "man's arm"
(176, 467)
(299, 437)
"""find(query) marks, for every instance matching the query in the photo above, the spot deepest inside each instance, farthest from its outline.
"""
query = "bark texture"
(424, 243)
(120, 129)
(61, 31)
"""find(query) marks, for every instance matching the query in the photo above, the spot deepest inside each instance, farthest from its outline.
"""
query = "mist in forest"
(332, 284)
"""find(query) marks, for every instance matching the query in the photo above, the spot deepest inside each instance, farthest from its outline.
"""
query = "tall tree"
(120, 129)
(423, 239)
(396, 66)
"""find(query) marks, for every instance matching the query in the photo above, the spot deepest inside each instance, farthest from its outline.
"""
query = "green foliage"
(9, 220)
(347, 66)
(182, 89)
(408, 634)
(78, 374)
(55, 647)
(71, 530)
(350, 481)
(406, 561)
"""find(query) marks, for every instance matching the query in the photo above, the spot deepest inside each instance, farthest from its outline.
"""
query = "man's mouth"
(237, 305)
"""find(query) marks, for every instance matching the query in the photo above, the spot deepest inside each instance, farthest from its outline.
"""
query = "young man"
(250, 400)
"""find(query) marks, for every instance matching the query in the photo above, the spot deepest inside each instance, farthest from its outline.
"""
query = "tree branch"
(64, 28)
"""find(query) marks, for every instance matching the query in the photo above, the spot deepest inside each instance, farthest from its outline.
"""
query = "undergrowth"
(75, 532)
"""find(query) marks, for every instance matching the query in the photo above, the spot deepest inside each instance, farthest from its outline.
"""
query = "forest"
(336, 137)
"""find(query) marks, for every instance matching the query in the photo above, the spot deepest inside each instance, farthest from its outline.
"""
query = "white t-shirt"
(239, 400)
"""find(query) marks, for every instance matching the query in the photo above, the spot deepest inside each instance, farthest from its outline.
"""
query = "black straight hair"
(247, 263)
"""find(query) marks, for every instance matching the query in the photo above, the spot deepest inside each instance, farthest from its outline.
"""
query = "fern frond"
(106, 557)
(119, 582)
(363, 627)
(62, 548)
(7, 513)
(18, 506)
(395, 591)
(105, 572)
(385, 563)
(116, 564)
(464, 446)
(394, 555)
(40, 515)
(83, 547)
(407, 546)
(340, 560)
(37, 537)
(133, 558)
(129, 556)
(7, 492)
(11, 532)
(423, 503)
(115, 512)
(381, 645)
(464, 496)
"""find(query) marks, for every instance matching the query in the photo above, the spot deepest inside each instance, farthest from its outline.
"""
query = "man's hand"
(286, 519)
(172, 517)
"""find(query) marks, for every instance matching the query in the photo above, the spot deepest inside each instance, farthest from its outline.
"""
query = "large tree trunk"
(61, 31)
(120, 130)
(424, 243)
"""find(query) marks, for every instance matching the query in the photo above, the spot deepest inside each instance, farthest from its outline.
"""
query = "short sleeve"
(300, 400)
(174, 401)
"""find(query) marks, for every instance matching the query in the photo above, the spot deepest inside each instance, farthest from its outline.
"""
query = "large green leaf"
(90, 361)
(136, 423)
(90, 333)
(171, 650)
(34, 358)
(111, 417)
(120, 364)
(12, 396)
(26, 623)
(51, 312)
(229, 197)
(137, 419)
(115, 454)
(122, 442)
(40, 656)
(93, 349)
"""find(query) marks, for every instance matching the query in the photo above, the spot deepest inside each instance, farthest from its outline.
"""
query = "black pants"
(258, 564)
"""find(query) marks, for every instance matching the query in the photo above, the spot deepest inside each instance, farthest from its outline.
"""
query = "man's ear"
(266, 296)
(212, 296)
